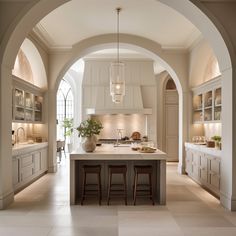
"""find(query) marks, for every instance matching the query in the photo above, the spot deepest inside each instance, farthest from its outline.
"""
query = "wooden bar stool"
(86, 191)
(143, 189)
(112, 188)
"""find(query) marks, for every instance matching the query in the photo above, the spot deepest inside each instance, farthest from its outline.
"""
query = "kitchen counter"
(204, 149)
(20, 149)
(109, 155)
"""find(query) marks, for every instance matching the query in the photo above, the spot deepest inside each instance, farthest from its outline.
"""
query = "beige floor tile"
(160, 219)
(84, 231)
(24, 231)
(149, 231)
(202, 221)
(216, 231)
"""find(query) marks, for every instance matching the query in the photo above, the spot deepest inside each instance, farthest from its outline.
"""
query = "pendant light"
(117, 72)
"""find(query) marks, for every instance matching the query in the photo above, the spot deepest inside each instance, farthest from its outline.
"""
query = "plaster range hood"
(132, 103)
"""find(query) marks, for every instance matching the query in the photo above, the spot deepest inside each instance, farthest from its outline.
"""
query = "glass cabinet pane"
(29, 97)
(19, 97)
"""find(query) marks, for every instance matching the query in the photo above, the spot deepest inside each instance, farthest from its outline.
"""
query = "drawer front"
(26, 172)
(26, 160)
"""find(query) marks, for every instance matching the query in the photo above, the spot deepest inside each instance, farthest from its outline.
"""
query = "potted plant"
(68, 125)
(88, 129)
(217, 140)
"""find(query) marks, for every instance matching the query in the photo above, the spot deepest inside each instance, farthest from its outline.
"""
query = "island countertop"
(122, 152)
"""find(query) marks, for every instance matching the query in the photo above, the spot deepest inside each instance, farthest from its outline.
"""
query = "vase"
(89, 144)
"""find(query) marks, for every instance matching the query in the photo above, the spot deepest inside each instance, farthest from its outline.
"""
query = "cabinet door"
(44, 159)
(195, 165)
(15, 171)
(203, 177)
(214, 172)
(189, 161)
(26, 160)
(37, 162)
(26, 172)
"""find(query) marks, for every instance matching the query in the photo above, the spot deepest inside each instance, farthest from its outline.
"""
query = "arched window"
(65, 103)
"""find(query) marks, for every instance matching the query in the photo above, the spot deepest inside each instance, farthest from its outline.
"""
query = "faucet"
(17, 134)
(119, 135)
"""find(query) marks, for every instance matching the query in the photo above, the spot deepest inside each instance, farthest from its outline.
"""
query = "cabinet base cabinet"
(28, 168)
(204, 169)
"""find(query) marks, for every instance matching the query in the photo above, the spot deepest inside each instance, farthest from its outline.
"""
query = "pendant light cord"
(118, 34)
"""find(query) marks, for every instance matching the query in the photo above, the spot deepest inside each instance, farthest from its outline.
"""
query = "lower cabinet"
(28, 167)
(204, 169)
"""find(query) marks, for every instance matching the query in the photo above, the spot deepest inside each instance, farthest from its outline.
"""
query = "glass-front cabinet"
(27, 104)
(207, 103)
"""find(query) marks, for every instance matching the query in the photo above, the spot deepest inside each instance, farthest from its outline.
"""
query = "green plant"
(89, 127)
(68, 125)
(216, 138)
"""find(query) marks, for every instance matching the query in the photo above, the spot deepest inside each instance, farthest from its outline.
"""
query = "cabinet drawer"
(26, 160)
(26, 172)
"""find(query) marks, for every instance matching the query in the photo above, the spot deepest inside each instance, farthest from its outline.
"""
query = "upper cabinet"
(27, 103)
(207, 102)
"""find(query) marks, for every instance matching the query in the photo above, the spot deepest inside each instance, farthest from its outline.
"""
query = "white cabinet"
(204, 169)
(207, 102)
(28, 167)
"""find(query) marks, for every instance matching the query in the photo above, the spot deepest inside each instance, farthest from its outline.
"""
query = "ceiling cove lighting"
(117, 72)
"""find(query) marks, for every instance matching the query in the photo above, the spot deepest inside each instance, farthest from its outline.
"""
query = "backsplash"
(212, 129)
(128, 124)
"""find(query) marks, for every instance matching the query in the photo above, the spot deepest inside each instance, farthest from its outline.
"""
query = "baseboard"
(227, 202)
(6, 200)
(181, 169)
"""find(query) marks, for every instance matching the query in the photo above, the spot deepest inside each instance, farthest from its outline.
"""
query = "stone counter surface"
(203, 148)
(20, 149)
(122, 152)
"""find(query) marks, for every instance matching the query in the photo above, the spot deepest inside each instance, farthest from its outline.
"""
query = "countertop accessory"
(210, 144)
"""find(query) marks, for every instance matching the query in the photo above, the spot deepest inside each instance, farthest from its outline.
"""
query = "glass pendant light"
(117, 72)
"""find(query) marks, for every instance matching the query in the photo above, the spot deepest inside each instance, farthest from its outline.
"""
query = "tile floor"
(43, 209)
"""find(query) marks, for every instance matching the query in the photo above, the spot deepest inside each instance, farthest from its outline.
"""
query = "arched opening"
(187, 9)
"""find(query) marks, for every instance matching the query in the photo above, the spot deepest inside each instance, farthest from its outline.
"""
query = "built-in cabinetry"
(203, 166)
(27, 102)
(207, 102)
(28, 165)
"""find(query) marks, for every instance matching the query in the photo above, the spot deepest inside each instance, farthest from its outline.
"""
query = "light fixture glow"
(117, 74)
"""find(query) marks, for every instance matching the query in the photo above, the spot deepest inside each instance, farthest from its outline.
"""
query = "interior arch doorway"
(34, 11)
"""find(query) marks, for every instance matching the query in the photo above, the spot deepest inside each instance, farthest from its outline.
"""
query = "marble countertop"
(204, 149)
(20, 149)
(122, 152)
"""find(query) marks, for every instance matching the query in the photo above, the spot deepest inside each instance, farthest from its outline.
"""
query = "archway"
(37, 10)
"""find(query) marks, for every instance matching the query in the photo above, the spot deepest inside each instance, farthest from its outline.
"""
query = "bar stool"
(117, 169)
(147, 189)
(92, 170)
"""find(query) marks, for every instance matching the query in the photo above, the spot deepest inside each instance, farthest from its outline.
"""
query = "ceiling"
(81, 19)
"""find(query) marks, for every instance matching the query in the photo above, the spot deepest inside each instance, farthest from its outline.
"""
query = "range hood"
(132, 103)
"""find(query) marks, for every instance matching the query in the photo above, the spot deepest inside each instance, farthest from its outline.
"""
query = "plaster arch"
(194, 10)
(176, 68)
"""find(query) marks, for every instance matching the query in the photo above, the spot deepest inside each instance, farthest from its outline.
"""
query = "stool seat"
(112, 188)
(140, 189)
(91, 169)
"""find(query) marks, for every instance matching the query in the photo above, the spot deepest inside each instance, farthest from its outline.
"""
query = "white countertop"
(204, 149)
(109, 152)
(20, 149)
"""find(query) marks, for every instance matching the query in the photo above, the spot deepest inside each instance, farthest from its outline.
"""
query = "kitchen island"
(106, 155)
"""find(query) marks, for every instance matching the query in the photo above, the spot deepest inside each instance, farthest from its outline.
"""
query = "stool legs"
(109, 188)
